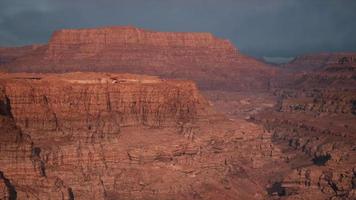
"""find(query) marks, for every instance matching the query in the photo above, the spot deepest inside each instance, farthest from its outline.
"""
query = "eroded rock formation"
(121, 136)
(211, 62)
(124, 136)
(315, 117)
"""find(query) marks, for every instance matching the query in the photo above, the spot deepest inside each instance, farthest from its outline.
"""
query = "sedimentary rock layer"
(107, 102)
(115, 136)
(315, 116)
(212, 62)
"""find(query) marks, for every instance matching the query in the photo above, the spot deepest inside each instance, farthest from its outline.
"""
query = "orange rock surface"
(122, 136)
(211, 62)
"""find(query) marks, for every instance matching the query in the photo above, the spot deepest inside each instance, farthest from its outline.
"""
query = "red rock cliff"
(107, 102)
(132, 35)
(120, 136)
(212, 62)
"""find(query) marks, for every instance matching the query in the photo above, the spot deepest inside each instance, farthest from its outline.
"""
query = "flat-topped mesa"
(100, 102)
(91, 42)
(211, 62)
(127, 35)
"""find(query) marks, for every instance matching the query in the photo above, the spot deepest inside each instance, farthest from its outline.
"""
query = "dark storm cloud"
(258, 27)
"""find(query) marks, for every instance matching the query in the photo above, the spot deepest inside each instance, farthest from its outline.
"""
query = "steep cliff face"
(106, 103)
(22, 170)
(212, 62)
(121, 136)
(131, 35)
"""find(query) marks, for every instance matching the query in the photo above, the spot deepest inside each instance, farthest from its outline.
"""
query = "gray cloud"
(258, 27)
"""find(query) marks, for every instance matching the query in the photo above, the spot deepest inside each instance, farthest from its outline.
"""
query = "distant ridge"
(212, 62)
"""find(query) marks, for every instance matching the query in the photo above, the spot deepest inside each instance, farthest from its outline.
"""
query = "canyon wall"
(212, 62)
(22, 170)
(122, 136)
(110, 102)
(315, 117)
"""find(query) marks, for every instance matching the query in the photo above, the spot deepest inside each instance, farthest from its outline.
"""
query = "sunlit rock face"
(122, 136)
(212, 62)
(104, 102)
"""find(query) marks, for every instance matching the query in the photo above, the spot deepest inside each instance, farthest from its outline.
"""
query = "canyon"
(315, 116)
(134, 137)
(128, 113)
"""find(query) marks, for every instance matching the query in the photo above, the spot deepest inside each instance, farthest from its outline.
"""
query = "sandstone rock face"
(105, 103)
(22, 170)
(211, 62)
(124, 136)
(121, 136)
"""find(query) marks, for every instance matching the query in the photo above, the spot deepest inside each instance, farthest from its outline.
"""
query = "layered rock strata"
(315, 117)
(211, 62)
(22, 170)
(114, 136)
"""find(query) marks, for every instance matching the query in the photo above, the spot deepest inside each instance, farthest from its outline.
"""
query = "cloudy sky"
(271, 28)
